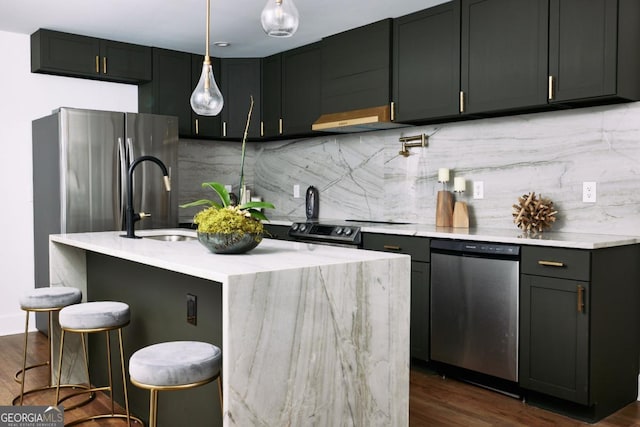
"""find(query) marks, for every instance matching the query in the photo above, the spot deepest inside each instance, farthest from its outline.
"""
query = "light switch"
(478, 190)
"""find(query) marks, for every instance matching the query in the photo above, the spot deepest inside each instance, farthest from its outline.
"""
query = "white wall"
(25, 97)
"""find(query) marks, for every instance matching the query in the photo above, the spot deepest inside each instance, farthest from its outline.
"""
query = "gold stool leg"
(153, 408)
(124, 378)
(57, 402)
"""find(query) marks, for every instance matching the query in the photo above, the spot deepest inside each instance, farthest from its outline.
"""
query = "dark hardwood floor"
(433, 401)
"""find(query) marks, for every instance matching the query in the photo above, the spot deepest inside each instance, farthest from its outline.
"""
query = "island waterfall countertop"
(311, 334)
(498, 235)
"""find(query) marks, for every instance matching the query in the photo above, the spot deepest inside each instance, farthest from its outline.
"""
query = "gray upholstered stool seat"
(95, 315)
(46, 300)
(174, 365)
(50, 298)
(90, 317)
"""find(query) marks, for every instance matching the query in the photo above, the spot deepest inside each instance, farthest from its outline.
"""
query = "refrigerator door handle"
(123, 161)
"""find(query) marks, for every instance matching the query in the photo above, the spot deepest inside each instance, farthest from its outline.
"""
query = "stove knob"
(303, 227)
(347, 232)
(339, 231)
(294, 227)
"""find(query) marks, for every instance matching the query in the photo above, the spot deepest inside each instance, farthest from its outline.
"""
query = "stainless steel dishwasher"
(475, 306)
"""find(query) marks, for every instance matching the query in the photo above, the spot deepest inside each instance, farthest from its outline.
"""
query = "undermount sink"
(170, 237)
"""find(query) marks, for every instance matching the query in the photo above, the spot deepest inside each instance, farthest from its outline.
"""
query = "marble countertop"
(192, 258)
(555, 239)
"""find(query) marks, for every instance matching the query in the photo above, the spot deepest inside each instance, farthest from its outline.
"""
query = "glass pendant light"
(280, 18)
(206, 98)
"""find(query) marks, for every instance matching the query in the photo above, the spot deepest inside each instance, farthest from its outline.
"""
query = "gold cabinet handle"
(197, 127)
(551, 88)
(392, 247)
(280, 126)
(580, 298)
(461, 101)
(393, 111)
(551, 263)
(224, 128)
(104, 64)
(97, 64)
(261, 128)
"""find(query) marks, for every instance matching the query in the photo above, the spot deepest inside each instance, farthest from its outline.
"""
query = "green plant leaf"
(257, 214)
(259, 205)
(221, 191)
(200, 203)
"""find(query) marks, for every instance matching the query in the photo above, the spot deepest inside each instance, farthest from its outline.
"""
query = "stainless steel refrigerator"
(80, 165)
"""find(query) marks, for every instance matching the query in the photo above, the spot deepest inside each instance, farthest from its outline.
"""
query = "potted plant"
(227, 227)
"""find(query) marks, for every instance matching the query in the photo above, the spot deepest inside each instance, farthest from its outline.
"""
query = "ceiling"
(180, 24)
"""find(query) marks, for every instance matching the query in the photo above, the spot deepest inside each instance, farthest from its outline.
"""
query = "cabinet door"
(241, 77)
(65, 54)
(503, 54)
(554, 337)
(356, 67)
(169, 91)
(426, 63)
(420, 303)
(300, 89)
(582, 48)
(271, 95)
(125, 61)
(204, 126)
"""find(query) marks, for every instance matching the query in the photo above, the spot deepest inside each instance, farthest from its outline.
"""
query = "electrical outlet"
(478, 190)
(589, 192)
(192, 309)
(296, 191)
(228, 188)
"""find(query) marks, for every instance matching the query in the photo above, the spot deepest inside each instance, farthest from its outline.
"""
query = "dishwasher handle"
(477, 249)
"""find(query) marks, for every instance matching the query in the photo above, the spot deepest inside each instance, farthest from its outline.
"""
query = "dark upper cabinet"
(300, 89)
(271, 124)
(503, 55)
(426, 63)
(54, 52)
(356, 68)
(241, 77)
(204, 126)
(169, 91)
(593, 50)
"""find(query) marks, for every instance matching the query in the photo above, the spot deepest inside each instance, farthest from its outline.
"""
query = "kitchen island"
(310, 334)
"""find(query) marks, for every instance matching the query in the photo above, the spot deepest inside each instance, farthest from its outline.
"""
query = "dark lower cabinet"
(593, 50)
(55, 52)
(418, 248)
(503, 55)
(580, 328)
(555, 337)
(426, 64)
(275, 231)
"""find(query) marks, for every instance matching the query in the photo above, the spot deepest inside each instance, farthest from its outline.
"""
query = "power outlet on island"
(192, 309)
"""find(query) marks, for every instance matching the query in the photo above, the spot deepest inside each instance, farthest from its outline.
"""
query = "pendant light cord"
(207, 35)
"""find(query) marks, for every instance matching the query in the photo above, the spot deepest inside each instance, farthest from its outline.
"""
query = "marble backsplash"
(362, 176)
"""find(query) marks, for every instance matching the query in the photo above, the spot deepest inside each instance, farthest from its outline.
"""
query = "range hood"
(362, 120)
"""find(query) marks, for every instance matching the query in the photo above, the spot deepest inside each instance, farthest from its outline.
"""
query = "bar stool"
(174, 365)
(46, 300)
(91, 317)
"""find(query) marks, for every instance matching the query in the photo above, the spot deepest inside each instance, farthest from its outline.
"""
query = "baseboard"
(11, 324)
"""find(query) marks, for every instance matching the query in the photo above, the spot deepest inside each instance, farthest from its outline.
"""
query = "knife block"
(460, 215)
(444, 209)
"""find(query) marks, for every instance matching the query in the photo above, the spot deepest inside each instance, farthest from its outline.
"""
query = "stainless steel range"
(329, 234)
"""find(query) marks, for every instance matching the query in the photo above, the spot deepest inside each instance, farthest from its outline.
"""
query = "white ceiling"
(180, 24)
